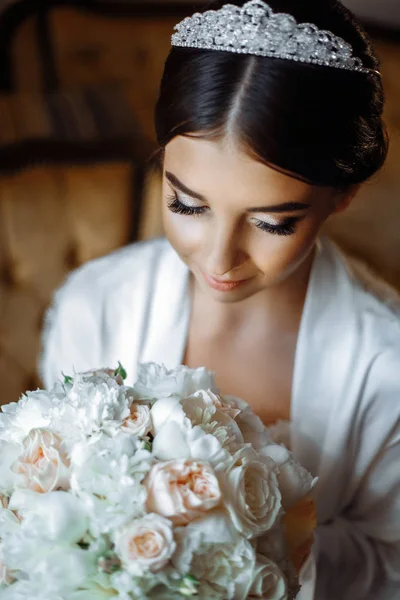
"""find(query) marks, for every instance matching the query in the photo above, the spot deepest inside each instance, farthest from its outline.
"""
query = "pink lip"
(223, 286)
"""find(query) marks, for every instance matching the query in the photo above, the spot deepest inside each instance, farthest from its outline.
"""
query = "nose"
(224, 252)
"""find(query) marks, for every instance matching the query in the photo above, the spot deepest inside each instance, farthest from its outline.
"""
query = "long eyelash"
(176, 206)
(288, 227)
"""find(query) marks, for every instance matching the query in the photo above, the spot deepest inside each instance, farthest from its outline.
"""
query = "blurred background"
(78, 84)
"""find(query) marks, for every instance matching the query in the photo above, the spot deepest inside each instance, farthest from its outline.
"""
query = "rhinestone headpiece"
(256, 29)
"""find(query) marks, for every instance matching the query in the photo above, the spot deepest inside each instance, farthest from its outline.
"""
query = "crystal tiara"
(256, 29)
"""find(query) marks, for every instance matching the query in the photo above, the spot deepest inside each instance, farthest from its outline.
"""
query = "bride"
(266, 128)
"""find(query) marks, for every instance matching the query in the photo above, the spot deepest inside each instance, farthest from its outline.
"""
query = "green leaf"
(148, 446)
(68, 379)
(120, 371)
(189, 585)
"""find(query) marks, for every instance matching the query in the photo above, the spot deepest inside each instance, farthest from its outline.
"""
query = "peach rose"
(43, 465)
(146, 544)
(139, 421)
(182, 490)
(299, 524)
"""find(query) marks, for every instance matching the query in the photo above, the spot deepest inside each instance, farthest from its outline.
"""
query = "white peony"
(43, 549)
(156, 381)
(31, 412)
(93, 403)
(107, 474)
(56, 516)
(56, 572)
(251, 491)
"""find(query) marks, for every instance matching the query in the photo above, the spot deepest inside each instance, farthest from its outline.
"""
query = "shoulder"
(98, 303)
(126, 267)
(364, 302)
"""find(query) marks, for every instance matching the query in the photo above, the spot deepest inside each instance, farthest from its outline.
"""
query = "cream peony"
(146, 544)
(182, 490)
(251, 492)
(269, 582)
(139, 421)
(43, 465)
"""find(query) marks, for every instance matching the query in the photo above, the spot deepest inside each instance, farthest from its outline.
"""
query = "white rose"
(43, 465)
(156, 381)
(269, 582)
(182, 490)
(251, 491)
(295, 481)
(139, 421)
(146, 544)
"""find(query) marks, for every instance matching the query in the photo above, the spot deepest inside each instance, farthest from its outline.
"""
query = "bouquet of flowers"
(162, 490)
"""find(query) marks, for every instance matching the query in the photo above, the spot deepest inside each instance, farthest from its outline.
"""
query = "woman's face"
(240, 226)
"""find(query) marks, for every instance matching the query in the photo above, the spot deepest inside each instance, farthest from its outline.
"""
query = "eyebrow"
(276, 208)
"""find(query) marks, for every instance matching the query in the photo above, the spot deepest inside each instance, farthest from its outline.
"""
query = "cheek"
(279, 256)
(184, 233)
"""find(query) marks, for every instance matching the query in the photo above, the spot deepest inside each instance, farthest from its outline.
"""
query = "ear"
(344, 199)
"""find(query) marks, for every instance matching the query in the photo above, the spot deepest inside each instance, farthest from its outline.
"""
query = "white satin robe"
(133, 306)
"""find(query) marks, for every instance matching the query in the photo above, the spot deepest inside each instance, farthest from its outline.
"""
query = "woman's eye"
(177, 206)
(288, 227)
